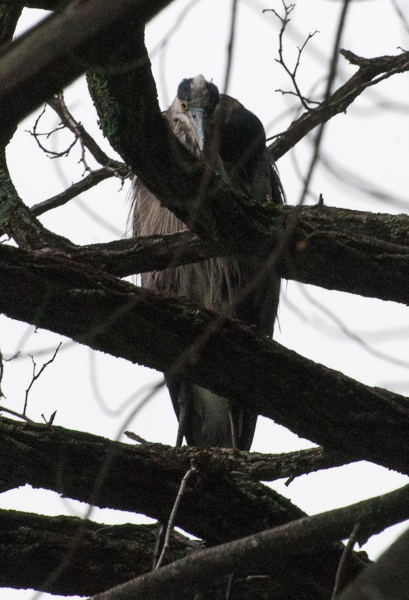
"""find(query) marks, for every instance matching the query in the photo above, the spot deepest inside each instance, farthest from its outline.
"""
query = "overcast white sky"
(89, 390)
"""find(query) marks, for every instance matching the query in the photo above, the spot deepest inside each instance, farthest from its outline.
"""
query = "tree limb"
(73, 191)
(46, 59)
(146, 479)
(100, 556)
(370, 72)
(321, 248)
(18, 221)
(34, 547)
(264, 467)
(139, 479)
(220, 354)
(266, 547)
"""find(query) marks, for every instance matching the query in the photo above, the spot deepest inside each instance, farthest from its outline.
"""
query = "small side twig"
(173, 514)
(37, 135)
(136, 438)
(37, 375)
(16, 414)
(292, 73)
(49, 421)
(119, 169)
(345, 555)
(73, 191)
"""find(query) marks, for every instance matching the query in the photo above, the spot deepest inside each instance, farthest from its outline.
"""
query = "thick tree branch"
(146, 479)
(18, 221)
(269, 467)
(66, 556)
(323, 245)
(273, 546)
(46, 59)
(138, 255)
(89, 557)
(139, 479)
(218, 353)
(264, 467)
(44, 4)
(10, 12)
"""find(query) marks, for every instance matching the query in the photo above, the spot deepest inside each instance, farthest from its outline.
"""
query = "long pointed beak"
(198, 120)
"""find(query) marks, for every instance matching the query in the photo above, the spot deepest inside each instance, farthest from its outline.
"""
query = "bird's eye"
(183, 105)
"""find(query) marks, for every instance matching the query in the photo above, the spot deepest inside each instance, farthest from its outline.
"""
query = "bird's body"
(218, 128)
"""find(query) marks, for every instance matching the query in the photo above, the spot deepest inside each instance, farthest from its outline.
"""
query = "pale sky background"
(96, 392)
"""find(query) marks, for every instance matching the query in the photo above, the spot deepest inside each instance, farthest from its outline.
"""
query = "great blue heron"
(227, 285)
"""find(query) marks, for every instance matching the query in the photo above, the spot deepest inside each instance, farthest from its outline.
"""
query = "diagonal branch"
(147, 478)
(73, 191)
(46, 59)
(323, 245)
(18, 221)
(140, 479)
(371, 71)
(217, 353)
(34, 546)
(272, 546)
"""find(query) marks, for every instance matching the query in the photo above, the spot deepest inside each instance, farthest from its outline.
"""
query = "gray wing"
(247, 289)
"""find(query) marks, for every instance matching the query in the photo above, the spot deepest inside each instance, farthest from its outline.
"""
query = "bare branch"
(45, 60)
(141, 479)
(16, 414)
(57, 102)
(324, 243)
(172, 518)
(271, 546)
(344, 558)
(73, 191)
(18, 221)
(37, 135)
(34, 546)
(134, 323)
(147, 479)
(369, 73)
(292, 73)
(37, 375)
(264, 467)
(230, 46)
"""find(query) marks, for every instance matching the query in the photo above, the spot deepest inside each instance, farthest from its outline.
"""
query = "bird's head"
(195, 102)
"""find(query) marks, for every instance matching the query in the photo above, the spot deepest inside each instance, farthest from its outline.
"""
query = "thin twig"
(173, 514)
(16, 414)
(401, 16)
(345, 555)
(292, 73)
(74, 190)
(331, 78)
(57, 103)
(230, 46)
(36, 135)
(37, 375)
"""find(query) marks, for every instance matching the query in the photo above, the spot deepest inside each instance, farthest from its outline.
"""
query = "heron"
(232, 286)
